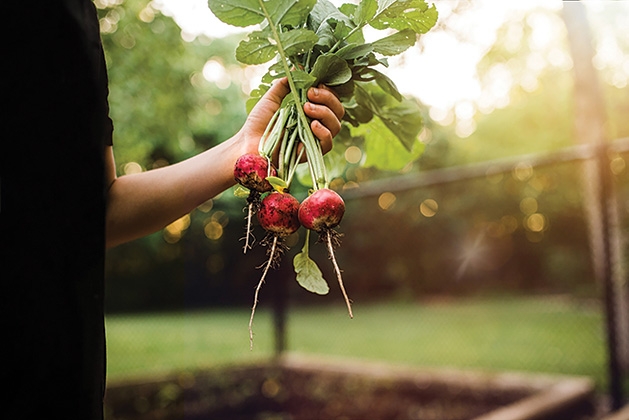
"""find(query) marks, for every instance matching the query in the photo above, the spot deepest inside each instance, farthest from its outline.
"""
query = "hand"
(324, 108)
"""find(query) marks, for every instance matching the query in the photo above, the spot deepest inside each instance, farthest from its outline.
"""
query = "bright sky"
(443, 75)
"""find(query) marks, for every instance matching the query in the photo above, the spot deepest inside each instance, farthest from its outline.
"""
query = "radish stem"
(308, 138)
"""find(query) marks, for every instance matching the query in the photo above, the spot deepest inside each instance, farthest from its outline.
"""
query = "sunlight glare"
(523, 171)
(214, 72)
(132, 168)
(213, 230)
(195, 18)
(536, 222)
(617, 165)
(353, 154)
(174, 231)
(386, 200)
(528, 205)
(428, 207)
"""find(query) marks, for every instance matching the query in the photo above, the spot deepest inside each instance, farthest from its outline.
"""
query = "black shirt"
(55, 126)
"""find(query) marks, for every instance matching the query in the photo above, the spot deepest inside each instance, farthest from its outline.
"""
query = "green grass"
(522, 334)
(153, 344)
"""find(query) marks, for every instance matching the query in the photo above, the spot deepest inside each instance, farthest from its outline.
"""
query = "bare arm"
(143, 203)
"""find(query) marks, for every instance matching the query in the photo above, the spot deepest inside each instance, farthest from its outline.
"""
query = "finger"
(270, 102)
(325, 115)
(324, 135)
(277, 92)
(325, 96)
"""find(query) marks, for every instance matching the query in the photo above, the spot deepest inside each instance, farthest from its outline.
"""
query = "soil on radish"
(251, 170)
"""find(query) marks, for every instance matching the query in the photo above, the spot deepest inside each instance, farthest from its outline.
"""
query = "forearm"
(143, 203)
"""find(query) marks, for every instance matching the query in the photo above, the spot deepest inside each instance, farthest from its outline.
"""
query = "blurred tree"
(526, 85)
(169, 98)
(489, 236)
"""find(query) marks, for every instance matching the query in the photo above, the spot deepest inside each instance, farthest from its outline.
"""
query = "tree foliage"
(163, 107)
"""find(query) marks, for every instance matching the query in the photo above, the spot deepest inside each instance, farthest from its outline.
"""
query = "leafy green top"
(313, 42)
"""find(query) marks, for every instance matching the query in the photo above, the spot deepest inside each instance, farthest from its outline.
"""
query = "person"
(62, 204)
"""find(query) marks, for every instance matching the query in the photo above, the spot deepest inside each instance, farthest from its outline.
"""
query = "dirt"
(265, 393)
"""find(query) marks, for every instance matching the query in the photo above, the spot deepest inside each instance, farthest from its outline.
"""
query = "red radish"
(278, 216)
(251, 171)
(278, 213)
(322, 210)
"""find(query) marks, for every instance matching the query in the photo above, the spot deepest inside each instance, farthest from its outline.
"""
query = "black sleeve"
(52, 209)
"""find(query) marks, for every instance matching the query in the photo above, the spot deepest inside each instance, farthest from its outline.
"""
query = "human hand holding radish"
(314, 42)
(323, 108)
(142, 203)
(285, 141)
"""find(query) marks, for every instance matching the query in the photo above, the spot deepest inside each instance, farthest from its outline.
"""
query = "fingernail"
(315, 91)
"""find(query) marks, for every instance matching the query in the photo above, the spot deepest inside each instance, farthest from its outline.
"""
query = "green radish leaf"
(308, 274)
(405, 121)
(335, 160)
(255, 96)
(302, 79)
(365, 11)
(396, 43)
(241, 13)
(276, 71)
(383, 149)
(354, 51)
(405, 14)
(356, 113)
(256, 50)
(348, 9)
(332, 24)
(241, 192)
(277, 183)
(298, 41)
(289, 12)
(403, 118)
(330, 70)
(322, 14)
(385, 83)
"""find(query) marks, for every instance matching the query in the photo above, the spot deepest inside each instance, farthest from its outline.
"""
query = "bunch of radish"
(313, 42)
(280, 214)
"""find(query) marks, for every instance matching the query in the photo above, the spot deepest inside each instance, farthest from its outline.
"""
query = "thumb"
(263, 111)
(273, 98)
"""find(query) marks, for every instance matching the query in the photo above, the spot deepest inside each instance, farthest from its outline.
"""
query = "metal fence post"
(589, 128)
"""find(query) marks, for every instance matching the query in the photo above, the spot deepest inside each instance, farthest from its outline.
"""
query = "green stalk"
(315, 159)
(265, 135)
(290, 146)
(309, 141)
(281, 163)
(273, 133)
(294, 162)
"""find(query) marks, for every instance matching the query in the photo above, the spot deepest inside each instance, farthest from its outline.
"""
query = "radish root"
(248, 231)
(331, 240)
(253, 205)
(270, 262)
